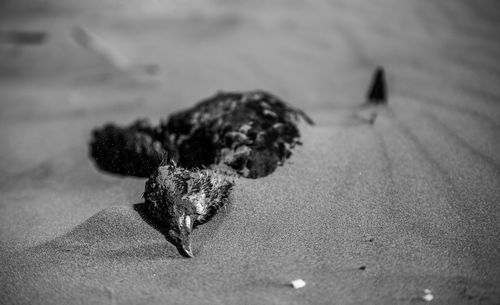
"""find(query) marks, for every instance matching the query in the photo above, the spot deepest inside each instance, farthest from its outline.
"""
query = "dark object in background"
(251, 133)
(15, 37)
(136, 150)
(378, 89)
(180, 200)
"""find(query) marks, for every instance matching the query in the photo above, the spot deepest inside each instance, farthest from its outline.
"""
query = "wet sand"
(413, 198)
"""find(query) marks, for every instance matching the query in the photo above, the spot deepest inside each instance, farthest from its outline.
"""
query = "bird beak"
(186, 250)
(186, 227)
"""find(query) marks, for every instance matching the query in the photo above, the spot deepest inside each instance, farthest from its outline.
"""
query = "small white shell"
(428, 296)
(298, 283)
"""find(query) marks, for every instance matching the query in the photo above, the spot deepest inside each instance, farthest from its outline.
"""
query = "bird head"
(181, 226)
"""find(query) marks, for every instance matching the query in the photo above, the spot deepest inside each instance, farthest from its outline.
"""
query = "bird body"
(181, 199)
(250, 133)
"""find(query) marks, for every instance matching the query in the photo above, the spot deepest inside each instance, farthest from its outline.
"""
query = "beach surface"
(363, 213)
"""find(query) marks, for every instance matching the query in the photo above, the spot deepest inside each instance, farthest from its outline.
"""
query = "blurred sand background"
(414, 198)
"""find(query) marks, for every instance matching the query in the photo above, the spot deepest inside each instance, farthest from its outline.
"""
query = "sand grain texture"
(414, 198)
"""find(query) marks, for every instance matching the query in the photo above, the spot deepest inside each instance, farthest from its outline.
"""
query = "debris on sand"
(428, 296)
(181, 200)
(367, 116)
(377, 93)
(250, 133)
(298, 283)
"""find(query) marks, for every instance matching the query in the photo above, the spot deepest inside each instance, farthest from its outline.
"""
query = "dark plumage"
(250, 133)
(135, 150)
(180, 200)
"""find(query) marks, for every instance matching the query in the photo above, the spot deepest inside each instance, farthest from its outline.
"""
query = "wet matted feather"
(136, 150)
(250, 133)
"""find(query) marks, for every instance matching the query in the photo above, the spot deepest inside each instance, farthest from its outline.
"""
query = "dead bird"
(250, 133)
(181, 199)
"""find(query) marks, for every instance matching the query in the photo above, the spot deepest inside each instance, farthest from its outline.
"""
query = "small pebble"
(428, 296)
(299, 283)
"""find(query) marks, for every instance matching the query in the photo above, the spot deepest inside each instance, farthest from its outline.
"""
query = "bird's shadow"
(142, 210)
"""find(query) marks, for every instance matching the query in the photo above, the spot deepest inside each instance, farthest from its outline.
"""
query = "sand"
(413, 198)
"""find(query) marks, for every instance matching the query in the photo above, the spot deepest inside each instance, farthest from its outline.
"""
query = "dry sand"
(413, 198)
